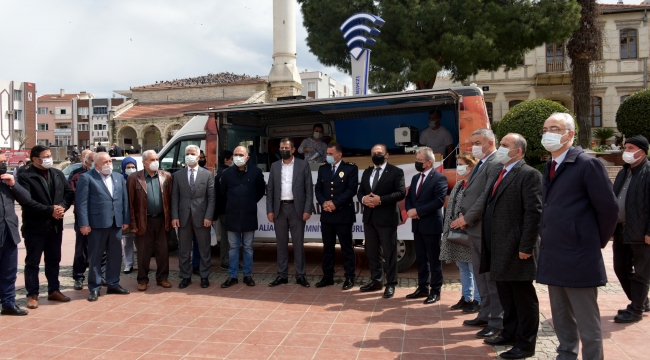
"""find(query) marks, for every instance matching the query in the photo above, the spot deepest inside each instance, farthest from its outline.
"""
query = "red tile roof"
(624, 7)
(169, 109)
(57, 97)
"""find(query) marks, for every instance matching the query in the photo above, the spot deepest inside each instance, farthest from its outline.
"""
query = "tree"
(583, 48)
(633, 116)
(422, 37)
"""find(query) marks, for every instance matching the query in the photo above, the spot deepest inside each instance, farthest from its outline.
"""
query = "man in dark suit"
(103, 212)
(192, 212)
(514, 202)
(116, 151)
(10, 191)
(100, 148)
(381, 188)
(578, 219)
(335, 188)
(289, 204)
(43, 223)
(424, 202)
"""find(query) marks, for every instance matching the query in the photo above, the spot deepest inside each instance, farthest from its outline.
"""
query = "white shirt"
(336, 165)
(108, 181)
(437, 140)
(286, 180)
(189, 172)
(509, 167)
(374, 170)
(560, 158)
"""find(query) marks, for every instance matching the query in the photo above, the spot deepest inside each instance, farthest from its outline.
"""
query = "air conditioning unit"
(8, 113)
(51, 111)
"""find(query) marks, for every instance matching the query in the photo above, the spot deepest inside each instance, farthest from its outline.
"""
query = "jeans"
(468, 281)
(235, 239)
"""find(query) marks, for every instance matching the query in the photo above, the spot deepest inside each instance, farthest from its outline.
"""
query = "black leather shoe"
(499, 340)
(371, 286)
(475, 322)
(389, 292)
(184, 283)
(516, 353)
(432, 298)
(117, 290)
(473, 307)
(627, 317)
(418, 293)
(14, 311)
(646, 308)
(278, 281)
(248, 280)
(488, 332)
(78, 284)
(300, 280)
(324, 282)
(460, 305)
(195, 271)
(230, 282)
(93, 295)
(205, 283)
(348, 284)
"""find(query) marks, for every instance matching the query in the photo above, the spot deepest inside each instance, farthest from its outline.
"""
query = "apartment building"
(17, 114)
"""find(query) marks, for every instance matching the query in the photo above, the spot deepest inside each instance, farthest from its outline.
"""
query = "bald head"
(242, 150)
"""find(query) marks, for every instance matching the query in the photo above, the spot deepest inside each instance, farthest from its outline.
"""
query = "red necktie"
(551, 171)
(417, 193)
(496, 185)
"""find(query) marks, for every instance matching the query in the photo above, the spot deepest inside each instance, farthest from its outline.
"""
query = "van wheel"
(405, 254)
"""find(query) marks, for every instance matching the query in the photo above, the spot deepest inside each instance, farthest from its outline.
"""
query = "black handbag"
(457, 236)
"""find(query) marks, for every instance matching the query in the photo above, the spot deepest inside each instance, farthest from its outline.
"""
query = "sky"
(101, 46)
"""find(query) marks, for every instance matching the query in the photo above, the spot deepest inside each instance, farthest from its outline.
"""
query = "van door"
(174, 159)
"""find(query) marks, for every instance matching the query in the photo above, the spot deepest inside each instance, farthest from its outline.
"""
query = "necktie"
(551, 171)
(476, 169)
(375, 179)
(192, 180)
(496, 185)
(333, 172)
(417, 193)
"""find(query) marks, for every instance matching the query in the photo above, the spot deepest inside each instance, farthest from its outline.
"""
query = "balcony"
(63, 117)
(555, 66)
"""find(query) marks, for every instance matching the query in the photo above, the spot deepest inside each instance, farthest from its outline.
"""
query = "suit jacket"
(429, 204)
(136, 185)
(475, 195)
(578, 219)
(390, 189)
(95, 205)
(303, 188)
(200, 204)
(340, 189)
(8, 212)
(511, 225)
(37, 213)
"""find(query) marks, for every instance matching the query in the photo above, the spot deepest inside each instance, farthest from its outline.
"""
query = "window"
(63, 111)
(18, 95)
(596, 111)
(42, 127)
(18, 114)
(63, 126)
(311, 86)
(488, 108)
(99, 127)
(512, 103)
(554, 57)
(167, 161)
(628, 44)
(82, 127)
(42, 110)
(82, 111)
(43, 142)
(100, 110)
(624, 97)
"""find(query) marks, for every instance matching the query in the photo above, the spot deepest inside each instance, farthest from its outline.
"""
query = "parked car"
(117, 163)
(70, 168)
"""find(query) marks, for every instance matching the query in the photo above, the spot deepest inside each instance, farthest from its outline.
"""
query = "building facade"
(316, 85)
(56, 118)
(17, 115)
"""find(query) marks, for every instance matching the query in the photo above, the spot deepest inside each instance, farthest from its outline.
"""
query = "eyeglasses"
(552, 129)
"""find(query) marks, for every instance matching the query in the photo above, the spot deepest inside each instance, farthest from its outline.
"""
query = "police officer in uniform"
(335, 188)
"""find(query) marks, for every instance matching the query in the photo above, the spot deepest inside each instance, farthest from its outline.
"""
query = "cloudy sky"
(100, 46)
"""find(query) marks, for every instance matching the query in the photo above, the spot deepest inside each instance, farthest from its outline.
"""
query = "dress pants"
(100, 241)
(154, 239)
(344, 233)
(491, 310)
(128, 247)
(185, 235)
(576, 314)
(427, 254)
(381, 250)
(287, 221)
(8, 271)
(632, 268)
(80, 261)
(48, 246)
(521, 313)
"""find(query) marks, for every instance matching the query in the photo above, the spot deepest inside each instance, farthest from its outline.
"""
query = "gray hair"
(486, 133)
(145, 155)
(427, 152)
(87, 157)
(520, 142)
(101, 154)
(569, 123)
(243, 147)
(193, 147)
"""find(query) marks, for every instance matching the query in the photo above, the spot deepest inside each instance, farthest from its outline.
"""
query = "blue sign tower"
(354, 32)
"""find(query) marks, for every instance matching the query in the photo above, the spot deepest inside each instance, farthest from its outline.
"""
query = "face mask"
(461, 170)
(47, 163)
(419, 166)
(202, 162)
(628, 157)
(378, 159)
(477, 151)
(107, 169)
(190, 160)
(154, 166)
(330, 159)
(129, 171)
(502, 155)
(433, 124)
(92, 166)
(552, 142)
(317, 135)
(285, 154)
(239, 160)
(3, 168)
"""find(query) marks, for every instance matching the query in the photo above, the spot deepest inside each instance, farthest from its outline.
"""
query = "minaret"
(284, 78)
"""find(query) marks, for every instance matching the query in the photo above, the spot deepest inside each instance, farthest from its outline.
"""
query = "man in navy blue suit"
(424, 203)
(103, 212)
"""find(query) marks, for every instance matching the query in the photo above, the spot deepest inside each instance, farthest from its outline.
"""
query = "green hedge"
(633, 116)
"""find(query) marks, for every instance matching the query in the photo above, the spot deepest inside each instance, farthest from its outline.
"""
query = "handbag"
(457, 236)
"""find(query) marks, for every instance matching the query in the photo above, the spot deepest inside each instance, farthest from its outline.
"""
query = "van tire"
(405, 254)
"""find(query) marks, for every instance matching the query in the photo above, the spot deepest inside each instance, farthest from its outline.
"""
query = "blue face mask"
(330, 159)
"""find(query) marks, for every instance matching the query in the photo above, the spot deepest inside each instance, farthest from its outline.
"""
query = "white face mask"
(477, 151)
(502, 155)
(107, 169)
(154, 166)
(628, 157)
(552, 142)
(190, 160)
(317, 135)
(129, 171)
(47, 163)
(461, 170)
(239, 160)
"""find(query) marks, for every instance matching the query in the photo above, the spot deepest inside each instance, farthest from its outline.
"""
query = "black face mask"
(419, 166)
(202, 162)
(285, 154)
(3, 168)
(378, 159)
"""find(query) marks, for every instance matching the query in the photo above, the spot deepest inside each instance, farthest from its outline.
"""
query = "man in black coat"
(242, 187)
(117, 151)
(335, 188)
(43, 223)
(632, 236)
(100, 148)
(510, 246)
(224, 160)
(579, 215)
(381, 188)
(10, 191)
